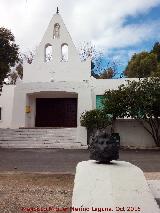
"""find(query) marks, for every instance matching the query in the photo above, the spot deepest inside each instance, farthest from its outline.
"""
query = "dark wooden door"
(56, 112)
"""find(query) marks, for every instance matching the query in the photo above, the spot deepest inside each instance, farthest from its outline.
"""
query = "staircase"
(64, 138)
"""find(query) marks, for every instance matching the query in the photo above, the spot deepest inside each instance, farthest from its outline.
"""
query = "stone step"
(38, 141)
(35, 140)
(39, 133)
(52, 133)
(39, 138)
(18, 137)
(67, 132)
(38, 130)
(44, 146)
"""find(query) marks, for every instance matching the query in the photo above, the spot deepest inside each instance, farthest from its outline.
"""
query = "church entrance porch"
(54, 105)
(57, 109)
(56, 112)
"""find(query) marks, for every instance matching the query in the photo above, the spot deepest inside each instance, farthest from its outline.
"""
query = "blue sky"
(152, 16)
(118, 28)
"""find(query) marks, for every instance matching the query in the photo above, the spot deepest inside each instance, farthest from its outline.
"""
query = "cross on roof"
(57, 10)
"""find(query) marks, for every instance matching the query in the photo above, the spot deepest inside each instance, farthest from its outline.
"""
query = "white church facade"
(57, 88)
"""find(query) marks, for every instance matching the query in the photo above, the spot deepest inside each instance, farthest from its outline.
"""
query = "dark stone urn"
(104, 147)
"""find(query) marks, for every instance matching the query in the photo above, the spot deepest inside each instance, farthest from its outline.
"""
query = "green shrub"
(95, 119)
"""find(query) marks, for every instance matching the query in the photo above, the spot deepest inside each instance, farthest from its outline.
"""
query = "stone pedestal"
(116, 187)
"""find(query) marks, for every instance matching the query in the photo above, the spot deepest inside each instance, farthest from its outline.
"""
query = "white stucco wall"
(6, 104)
(101, 85)
(133, 134)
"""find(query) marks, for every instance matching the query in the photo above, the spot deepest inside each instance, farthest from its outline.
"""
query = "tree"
(13, 77)
(139, 100)
(9, 54)
(18, 71)
(100, 67)
(109, 72)
(156, 50)
(87, 50)
(114, 104)
(141, 65)
(28, 57)
(144, 64)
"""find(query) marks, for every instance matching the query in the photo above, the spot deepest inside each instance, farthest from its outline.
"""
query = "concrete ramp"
(117, 187)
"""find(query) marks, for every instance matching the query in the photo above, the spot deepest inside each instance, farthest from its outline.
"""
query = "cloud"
(128, 36)
(102, 22)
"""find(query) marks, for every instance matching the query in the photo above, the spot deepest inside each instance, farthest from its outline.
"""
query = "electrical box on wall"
(28, 109)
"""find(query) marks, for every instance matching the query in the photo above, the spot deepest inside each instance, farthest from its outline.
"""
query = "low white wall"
(133, 134)
(101, 85)
(6, 103)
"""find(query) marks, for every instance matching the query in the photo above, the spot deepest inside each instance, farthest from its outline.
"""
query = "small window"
(0, 113)
(48, 52)
(64, 50)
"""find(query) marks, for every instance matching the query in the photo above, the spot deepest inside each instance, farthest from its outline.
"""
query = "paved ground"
(20, 193)
(65, 161)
